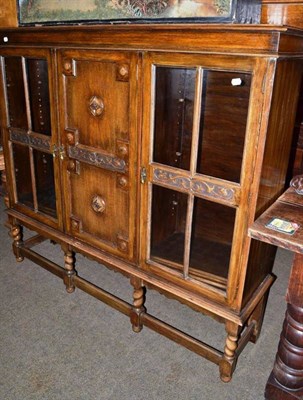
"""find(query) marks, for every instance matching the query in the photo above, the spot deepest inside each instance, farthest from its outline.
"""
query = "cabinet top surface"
(248, 39)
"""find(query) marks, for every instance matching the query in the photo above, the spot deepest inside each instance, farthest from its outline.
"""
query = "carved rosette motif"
(97, 159)
(34, 141)
(195, 186)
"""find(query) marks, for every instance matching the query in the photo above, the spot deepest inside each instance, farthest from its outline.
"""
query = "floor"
(60, 346)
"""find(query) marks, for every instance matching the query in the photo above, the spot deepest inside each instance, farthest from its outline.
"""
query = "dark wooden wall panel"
(279, 12)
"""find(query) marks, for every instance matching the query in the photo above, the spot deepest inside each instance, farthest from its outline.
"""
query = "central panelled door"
(97, 91)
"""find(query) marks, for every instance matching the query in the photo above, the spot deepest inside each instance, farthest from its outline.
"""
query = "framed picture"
(33, 12)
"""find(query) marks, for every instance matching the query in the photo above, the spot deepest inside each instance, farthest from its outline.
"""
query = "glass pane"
(37, 75)
(15, 93)
(223, 124)
(212, 234)
(169, 209)
(23, 175)
(44, 174)
(174, 103)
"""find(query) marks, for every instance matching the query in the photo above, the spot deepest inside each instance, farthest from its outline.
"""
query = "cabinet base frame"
(240, 330)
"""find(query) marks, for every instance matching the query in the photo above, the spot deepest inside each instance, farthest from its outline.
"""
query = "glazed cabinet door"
(197, 127)
(98, 102)
(30, 134)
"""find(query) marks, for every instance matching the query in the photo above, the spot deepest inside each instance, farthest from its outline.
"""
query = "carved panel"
(212, 190)
(195, 186)
(96, 103)
(99, 211)
(172, 179)
(97, 159)
(40, 143)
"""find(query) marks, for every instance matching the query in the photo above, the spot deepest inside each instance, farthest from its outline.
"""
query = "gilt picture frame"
(52, 12)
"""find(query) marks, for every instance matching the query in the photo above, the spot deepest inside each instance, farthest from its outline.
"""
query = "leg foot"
(16, 234)
(138, 308)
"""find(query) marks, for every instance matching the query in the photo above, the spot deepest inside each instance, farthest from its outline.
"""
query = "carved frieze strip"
(214, 191)
(200, 187)
(172, 179)
(97, 159)
(40, 143)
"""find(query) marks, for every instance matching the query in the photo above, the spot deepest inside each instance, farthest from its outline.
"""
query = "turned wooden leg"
(69, 265)
(138, 308)
(286, 379)
(228, 362)
(17, 235)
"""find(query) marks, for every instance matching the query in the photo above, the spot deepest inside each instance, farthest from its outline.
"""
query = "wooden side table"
(282, 225)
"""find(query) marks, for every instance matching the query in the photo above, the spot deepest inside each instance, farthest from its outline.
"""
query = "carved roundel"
(96, 106)
(98, 204)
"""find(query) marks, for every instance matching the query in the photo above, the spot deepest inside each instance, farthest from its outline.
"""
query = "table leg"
(286, 379)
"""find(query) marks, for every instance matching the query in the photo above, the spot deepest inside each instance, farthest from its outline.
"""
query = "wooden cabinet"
(151, 149)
